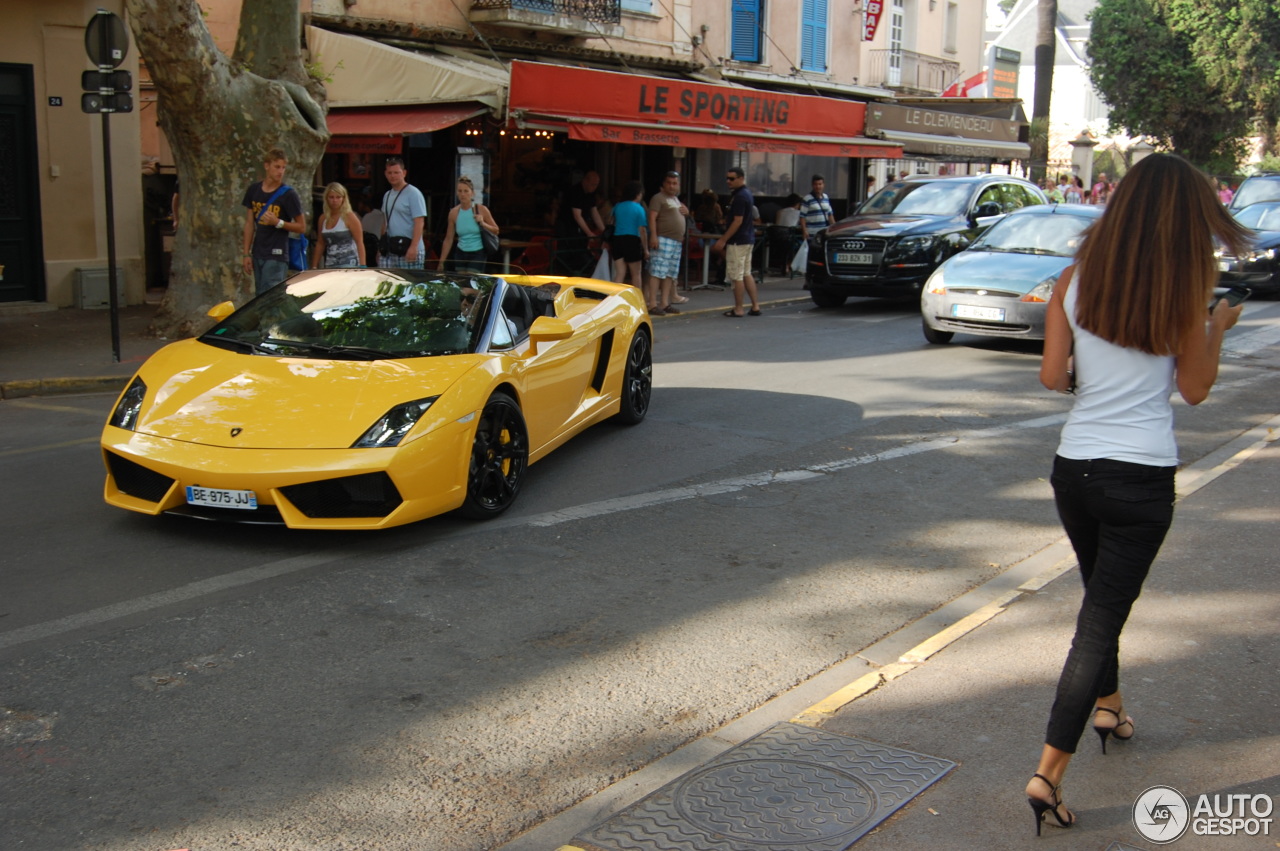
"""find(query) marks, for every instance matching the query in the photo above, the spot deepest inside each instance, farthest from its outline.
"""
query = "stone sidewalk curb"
(24, 388)
(704, 311)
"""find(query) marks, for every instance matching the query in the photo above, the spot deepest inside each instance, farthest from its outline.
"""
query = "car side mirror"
(988, 210)
(548, 329)
(221, 311)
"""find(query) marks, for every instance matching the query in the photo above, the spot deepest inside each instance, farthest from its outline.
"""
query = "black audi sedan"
(1259, 267)
(898, 236)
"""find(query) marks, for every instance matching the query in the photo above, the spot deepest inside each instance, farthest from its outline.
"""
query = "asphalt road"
(807, 482)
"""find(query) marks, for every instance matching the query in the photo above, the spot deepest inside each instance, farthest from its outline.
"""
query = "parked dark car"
(1259, 268)
(895, 240)
(1260, 187)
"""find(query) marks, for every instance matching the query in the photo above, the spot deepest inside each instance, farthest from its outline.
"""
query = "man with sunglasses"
(737, 243)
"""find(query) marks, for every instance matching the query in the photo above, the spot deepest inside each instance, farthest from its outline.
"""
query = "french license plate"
(221, 498)
(855, 259)
(968, 311)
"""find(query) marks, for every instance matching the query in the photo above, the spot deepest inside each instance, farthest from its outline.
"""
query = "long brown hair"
(1147, 267)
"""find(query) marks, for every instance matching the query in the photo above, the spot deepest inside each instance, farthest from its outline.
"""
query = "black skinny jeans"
(1116, 515)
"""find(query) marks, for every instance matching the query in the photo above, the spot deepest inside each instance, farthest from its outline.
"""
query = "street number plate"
(855, 259)
(968, 311)
(220, 498)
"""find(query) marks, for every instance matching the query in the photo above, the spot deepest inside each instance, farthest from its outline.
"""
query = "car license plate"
(968, 311)
(220, 498)
(856, 259)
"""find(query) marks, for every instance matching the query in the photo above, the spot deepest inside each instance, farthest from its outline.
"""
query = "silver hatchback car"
(1000, 285)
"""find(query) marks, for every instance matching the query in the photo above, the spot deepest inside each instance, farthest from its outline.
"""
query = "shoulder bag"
(489, 238)
(297, 242)
(397, 245)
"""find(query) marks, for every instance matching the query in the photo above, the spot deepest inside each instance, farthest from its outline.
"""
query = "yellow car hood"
(201, 394)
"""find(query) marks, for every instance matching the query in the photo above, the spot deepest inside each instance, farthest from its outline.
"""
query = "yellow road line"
(47, 446)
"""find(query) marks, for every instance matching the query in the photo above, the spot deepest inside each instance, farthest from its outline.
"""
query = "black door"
(21, 253)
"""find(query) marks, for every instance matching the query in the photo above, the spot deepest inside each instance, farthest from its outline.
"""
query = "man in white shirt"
(815, 210)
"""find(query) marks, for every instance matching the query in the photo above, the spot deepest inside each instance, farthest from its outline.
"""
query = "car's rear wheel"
(826, 298)
(637, 382)
(499, 458)
(933, 335)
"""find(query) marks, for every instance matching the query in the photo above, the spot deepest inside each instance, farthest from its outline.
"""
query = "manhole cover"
(789, 787)
(784, 800)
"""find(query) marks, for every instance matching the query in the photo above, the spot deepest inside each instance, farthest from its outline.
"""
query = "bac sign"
(871, 19)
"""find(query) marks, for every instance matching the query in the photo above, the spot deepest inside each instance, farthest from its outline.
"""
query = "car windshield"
(1053, 234)
(359, 314)
(932, 198)
(1256, 190)
(1260, 216)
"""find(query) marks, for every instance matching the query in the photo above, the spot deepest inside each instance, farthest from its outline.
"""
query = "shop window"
(748, 20)
(813, 35)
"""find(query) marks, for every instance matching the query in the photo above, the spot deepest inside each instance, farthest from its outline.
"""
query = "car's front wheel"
(826, 298)
(637, 382)
(933, 335)
(499, 458)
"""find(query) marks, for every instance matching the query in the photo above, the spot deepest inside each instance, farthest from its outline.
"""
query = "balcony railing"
(599, 11)
(908, 71)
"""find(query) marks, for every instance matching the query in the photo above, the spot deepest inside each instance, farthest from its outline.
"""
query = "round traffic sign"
(106, 40)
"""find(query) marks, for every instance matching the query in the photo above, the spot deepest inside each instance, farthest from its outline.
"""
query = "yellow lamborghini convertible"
(367, 398)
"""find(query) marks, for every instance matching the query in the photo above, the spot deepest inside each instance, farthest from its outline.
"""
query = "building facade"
(53, 243)
(522, 95)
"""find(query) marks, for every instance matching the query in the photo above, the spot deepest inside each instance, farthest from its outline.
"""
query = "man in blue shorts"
(666, 242)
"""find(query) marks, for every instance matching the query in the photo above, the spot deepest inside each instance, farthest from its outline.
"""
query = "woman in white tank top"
(339, 234)
(1126, 324)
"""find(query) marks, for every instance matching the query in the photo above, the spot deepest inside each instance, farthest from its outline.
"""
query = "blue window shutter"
(746, 30)
(813, 35)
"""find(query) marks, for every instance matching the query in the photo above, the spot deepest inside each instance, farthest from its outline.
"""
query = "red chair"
(536, 259)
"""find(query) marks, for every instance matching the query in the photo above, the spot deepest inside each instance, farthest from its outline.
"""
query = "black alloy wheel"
(499, 458)
(637, 381)
(826, 298)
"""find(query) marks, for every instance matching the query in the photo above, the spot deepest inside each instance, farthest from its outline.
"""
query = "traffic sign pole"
(106, 40)
(111, 238)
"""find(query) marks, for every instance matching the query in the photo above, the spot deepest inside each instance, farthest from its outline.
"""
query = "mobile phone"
(1234, 296)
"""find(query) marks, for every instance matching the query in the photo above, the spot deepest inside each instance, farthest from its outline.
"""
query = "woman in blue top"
(630, 243)
(465, 221)
(1130, 316)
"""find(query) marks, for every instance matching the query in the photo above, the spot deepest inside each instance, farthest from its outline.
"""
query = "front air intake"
(367, 495)
(136, 480)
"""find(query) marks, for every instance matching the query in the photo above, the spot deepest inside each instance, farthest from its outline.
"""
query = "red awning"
(608, 106)
(400, 120)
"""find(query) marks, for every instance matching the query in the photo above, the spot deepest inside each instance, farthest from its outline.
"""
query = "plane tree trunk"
(1046, 27)
(220, 114)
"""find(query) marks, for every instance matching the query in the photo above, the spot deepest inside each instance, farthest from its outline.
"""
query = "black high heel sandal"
(1121, 720)
(1040, 806)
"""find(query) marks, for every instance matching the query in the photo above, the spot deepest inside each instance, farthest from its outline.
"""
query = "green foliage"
(317, 71)
(1271, 163)
(1171, 70)
(1110, 162)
